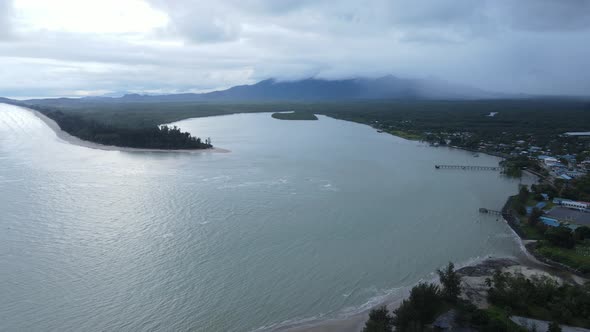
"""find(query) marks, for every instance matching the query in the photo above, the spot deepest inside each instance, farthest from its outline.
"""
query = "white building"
(550, 161)
(571, 204)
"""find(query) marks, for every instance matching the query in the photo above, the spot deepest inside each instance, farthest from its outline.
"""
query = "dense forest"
(294, 116)
(539, 121)
(156, 137)
(543, 117)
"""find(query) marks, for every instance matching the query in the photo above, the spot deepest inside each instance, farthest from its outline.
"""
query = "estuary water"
(302, 220)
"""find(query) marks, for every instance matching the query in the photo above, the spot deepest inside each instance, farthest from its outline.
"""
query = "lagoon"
(302, 221)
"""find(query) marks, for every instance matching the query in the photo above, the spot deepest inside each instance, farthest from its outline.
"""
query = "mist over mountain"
(387, 87)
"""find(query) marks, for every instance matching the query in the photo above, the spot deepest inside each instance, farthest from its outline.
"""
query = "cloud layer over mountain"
(69, 47)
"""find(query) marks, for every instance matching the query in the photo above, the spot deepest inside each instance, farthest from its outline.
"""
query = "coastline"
(64, 136)
(473, 274)
(473, 286)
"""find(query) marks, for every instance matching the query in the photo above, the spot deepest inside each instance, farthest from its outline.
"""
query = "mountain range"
(312, 89)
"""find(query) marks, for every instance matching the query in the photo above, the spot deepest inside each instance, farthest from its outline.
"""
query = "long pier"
(488, 211)
(469, 167)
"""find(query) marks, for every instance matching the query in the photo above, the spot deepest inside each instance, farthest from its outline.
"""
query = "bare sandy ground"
(473, 286)
(91, 145)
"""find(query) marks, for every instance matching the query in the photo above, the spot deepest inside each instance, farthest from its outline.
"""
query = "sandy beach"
(91, 145)
(473, 286)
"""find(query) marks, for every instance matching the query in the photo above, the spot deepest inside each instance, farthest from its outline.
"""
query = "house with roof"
(551, 222)
(549, 161)
(571, 203)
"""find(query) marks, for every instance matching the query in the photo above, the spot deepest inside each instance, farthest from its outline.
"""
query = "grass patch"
(531, 201)
(577, 258)
(531, 232)
(500, 321)
(405, 134)
(295, 116)
(549, 205)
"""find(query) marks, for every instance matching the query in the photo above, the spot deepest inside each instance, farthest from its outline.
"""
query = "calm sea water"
(302, 220)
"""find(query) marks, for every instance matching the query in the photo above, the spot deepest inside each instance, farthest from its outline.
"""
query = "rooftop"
(570, 215)
(577, 133)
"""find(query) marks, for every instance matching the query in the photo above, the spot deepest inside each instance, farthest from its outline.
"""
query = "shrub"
(420, 309)
(560, 236)
(379, 320)
(451, 282)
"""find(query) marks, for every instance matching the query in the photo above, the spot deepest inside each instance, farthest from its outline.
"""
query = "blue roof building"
(550, 221)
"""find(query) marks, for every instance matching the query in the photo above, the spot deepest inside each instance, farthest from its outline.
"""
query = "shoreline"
(66, 137)
(473, 276)
(473, 286)
(474, 273)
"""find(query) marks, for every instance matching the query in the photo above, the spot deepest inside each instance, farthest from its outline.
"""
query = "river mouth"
(302, 220)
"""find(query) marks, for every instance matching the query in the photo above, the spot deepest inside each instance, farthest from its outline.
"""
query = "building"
(575, 174)
(565, 177)
(549, 161)
(571, 204)
(550, 221)
(578, 133)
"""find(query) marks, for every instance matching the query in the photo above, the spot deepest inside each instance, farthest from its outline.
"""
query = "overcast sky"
(94, 47)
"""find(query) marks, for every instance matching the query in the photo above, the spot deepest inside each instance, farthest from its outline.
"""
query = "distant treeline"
(536, 120)
(156, 137)
(542, 118)
(294, 116)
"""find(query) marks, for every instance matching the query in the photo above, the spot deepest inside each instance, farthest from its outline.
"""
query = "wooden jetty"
(469, 167)
(488, 211)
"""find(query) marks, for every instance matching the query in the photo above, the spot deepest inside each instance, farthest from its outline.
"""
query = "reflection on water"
(302, 219)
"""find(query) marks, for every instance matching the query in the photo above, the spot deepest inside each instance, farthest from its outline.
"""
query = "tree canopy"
(379, 320)
(451, 282)
(157, 137)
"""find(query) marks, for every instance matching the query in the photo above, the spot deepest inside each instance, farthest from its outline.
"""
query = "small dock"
(469, 167)
(488, 211)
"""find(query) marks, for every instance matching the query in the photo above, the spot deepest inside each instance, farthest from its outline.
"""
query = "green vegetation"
(559, 244)
(421, 308)
(560, 236)
(554, 327)
(577, 257)
(451, 283)
(578, 189)
(379, 321)
(541, 297)
(514, 166)
(157, 137)
(405, 134)
(464, 124)
(294, 116)
(498, 319)
(427, 301)
(531, 232)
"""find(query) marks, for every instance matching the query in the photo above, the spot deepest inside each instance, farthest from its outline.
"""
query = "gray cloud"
(5, 19)
(547, 15)
(531, 46)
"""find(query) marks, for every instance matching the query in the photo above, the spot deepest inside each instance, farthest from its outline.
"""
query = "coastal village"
(551, 216)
